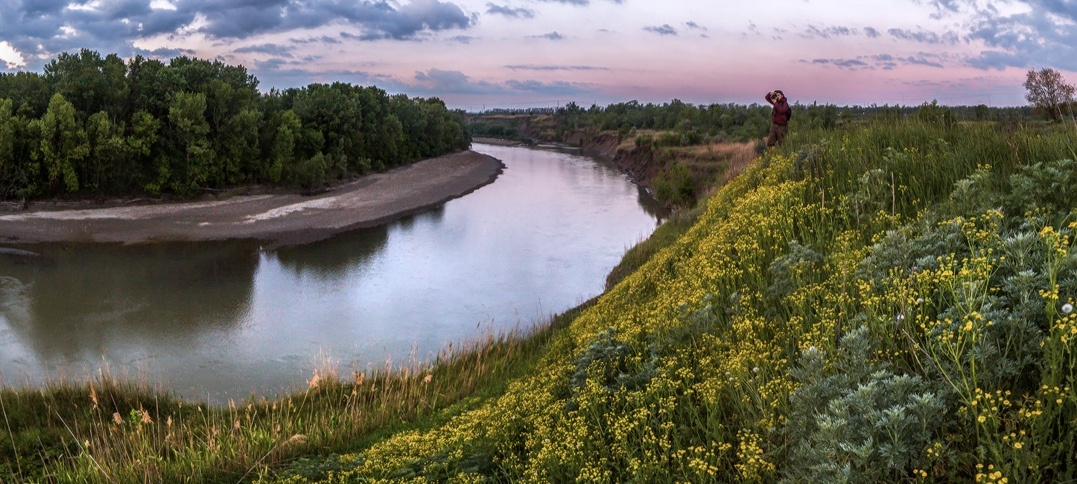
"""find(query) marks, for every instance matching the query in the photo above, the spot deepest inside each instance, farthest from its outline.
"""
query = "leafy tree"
(1048, 92)
(140, 142)
(17, 171)
(91, 83)
(107, 152)
(282, 153)
(63, 144)
(194, 155)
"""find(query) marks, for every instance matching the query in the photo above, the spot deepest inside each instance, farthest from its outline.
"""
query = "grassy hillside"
(887, 302)
(890, 301)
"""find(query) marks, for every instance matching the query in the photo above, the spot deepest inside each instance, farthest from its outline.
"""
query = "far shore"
(278, 219)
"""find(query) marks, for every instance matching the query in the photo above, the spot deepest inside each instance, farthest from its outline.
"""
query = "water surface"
(227, 320)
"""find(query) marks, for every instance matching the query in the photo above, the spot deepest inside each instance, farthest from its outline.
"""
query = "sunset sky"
(540, 53)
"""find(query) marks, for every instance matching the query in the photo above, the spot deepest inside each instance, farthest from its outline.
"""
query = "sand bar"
(278, 219)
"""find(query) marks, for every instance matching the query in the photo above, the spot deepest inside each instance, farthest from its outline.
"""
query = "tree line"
(684, 124)
(92, 125)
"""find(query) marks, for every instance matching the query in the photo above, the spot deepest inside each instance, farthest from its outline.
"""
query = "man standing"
(780, 118)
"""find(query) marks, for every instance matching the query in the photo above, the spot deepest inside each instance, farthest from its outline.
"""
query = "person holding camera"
(779, 119)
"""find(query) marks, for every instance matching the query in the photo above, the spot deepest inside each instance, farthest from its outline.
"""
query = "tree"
(63, 144)
(194, 155)
(17, 171)
(107, 153)
(1048, 92)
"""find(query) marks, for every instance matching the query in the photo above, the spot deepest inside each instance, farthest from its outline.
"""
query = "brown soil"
(279, 219)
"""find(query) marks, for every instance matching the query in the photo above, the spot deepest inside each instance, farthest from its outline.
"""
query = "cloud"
(439, 82)
(922, 60)
(509, 12)
(10, 56)
(694, 26)
(663, 29)
(1042, 36)
(164, 53)
(925, 37)
(550, 36)
(39, 28)
(814, 32)
(871, 32)
(325, 39)
(884, 62)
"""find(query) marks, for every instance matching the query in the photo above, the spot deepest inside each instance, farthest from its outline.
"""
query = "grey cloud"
(550, 36)
(36, 27)
(509, 12)
(694, 26)
(663, 29)
(463, 39)
(850, 63)
(826, 33)
(34, 8)
(164, 53)
(455, 82)
(920, 61)
(880, 61)
(325, 39)
(925, 37)
(1042, 36)
(871, 32)
(553, 88)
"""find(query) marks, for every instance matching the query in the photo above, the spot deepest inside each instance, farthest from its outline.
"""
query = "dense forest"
(92, 125)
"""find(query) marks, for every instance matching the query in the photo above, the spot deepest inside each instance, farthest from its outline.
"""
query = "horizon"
(517, 54)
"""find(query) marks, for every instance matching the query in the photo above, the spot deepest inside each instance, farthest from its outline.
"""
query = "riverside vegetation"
(888, 300)
(94, 126)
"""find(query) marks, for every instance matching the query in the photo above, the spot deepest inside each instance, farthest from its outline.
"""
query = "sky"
(482, 54)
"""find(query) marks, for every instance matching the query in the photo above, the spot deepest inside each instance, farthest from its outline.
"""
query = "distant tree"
(1048, 92)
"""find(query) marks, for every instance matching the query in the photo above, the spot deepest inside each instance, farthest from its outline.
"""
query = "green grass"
(110, 431)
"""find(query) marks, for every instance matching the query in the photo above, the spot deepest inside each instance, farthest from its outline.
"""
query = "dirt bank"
(278, 219)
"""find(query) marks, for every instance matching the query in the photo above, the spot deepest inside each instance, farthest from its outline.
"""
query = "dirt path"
(280, 219)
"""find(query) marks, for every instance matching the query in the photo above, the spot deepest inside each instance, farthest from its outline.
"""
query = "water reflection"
(216, 321)
(335, 257)
(75, 304)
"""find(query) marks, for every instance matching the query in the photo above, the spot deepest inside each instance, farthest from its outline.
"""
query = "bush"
(675, 186)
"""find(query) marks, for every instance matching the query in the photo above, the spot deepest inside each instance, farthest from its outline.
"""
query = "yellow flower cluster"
(989, 475)
(751, 464)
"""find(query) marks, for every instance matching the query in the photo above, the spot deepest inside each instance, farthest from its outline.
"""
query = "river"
(229, 320)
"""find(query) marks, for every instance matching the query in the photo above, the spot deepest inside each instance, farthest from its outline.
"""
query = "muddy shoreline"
(276, 219)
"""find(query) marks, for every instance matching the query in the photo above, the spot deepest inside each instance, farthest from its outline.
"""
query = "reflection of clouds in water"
(15, 301)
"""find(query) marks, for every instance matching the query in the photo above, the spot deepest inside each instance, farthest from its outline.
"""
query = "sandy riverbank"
(278, 219)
